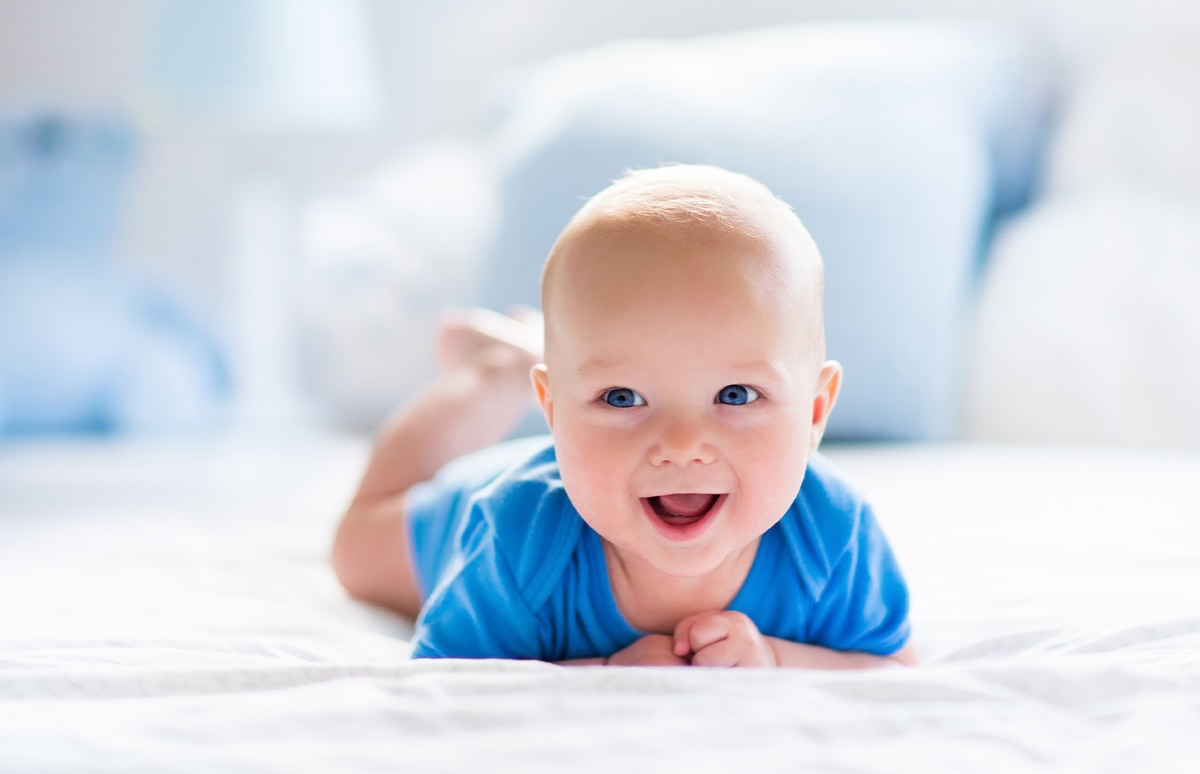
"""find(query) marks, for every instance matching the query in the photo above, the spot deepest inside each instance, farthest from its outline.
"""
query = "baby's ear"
(541, 385)
(829, 383)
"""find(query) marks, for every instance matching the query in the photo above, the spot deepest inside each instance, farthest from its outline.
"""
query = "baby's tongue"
(686, 504)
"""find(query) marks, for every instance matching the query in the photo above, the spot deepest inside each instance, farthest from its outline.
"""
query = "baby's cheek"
(773, 477)
(592, 488)
(781, 458)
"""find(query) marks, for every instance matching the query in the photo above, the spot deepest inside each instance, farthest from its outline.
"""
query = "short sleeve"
(435, 510)
(493, 538)
(477, 609)
(864, 603)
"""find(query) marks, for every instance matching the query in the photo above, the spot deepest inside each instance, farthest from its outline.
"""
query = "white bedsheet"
(167, 608)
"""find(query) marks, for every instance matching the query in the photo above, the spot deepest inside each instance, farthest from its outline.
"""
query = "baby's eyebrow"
(762, 369)
(592, 368)
(752, 369)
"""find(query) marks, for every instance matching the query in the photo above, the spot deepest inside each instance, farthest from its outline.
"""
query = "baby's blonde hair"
(690, 194)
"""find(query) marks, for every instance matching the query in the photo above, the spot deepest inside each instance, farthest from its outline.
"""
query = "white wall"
(460, 45)
(436, 56)
(81, 52)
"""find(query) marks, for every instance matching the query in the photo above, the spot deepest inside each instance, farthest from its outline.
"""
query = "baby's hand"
(651, 650)
(727, 638)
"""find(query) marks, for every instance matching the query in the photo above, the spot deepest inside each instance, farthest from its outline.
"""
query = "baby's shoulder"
(827, 492)
(825, 520)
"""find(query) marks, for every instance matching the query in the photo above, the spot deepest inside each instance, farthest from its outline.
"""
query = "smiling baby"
(678, 513)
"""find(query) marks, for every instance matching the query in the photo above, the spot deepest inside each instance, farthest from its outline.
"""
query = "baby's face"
(681, 393)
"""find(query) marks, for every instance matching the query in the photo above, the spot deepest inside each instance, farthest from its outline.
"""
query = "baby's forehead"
(685, 242)
(689, 200)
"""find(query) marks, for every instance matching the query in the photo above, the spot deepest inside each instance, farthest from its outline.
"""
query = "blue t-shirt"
(509, 569)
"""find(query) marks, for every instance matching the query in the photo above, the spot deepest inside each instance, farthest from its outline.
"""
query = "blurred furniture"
(86, 344)
(1087, 325)
(272, 83)
(1011, 247)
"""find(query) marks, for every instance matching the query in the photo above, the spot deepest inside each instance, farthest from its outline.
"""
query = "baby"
(678, 513)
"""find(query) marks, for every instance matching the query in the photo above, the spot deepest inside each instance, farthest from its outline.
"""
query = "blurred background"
(244, 216)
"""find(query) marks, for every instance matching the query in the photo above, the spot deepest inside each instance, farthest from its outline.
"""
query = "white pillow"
(1088, 324)
(381, 262)
(1133, 119)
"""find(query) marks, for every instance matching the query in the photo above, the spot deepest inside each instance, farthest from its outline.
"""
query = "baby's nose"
(683, 441)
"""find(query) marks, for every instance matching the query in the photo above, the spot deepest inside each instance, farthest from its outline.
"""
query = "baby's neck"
(652, 601)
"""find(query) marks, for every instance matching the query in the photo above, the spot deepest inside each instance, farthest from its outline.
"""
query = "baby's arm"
(796, 654)
(484, 389)
(730, 638)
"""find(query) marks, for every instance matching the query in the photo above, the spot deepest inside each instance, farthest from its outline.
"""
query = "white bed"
(169, 608)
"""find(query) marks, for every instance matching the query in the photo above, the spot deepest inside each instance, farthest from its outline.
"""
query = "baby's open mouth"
(682, 508)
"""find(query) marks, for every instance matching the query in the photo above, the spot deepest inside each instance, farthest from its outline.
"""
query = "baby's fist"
(726, 638)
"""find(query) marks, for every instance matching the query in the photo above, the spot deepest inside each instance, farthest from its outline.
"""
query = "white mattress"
(169, 608)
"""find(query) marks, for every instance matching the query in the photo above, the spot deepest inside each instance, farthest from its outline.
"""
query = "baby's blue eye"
(623, 397)
(737, 395)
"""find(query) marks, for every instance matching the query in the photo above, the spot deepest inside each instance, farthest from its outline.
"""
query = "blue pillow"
(897, 143)
(91, 350)
(62, 180)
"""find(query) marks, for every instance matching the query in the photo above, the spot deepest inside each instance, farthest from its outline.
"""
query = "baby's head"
(766, 247)
(685, 379)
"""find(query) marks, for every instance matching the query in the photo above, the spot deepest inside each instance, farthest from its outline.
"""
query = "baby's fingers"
(725, 653)
(697, 632)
